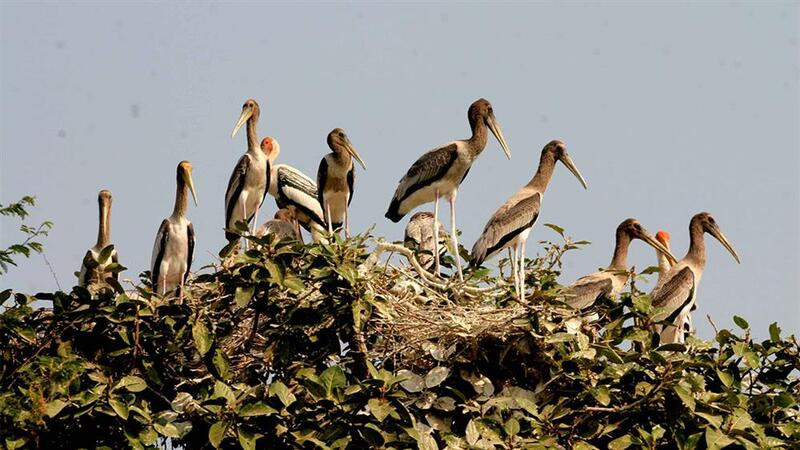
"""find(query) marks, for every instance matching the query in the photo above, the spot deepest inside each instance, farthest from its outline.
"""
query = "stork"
(293, 190)
(510, 225)
(439, 173)
(174, 246)
(609, 282)
(335, 179)
(676, 291)
(93, 272)
(419, 237)
(283, 226)
(247, 186)
(684, 321)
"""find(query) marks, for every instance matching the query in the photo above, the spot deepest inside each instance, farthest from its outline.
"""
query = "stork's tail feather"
(393, 213)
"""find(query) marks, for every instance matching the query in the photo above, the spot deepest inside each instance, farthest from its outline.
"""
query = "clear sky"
(667, 111)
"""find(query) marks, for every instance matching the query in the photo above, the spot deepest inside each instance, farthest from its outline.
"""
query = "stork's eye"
(491, 111)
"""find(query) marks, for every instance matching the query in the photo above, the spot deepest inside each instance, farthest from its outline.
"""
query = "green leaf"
(511, 427)
(472, 434)
(332, 378)
(202, 338)
(247, 439)
(436, 375)
(168, 429)
(725, 378)
(413, 382)
(621, 443)
(243, 295)
(602, 395)
(132, 383)
(741, 323)
(221, 363)
(222, 390)
(685, 395)
(217, 433)
(280, 389)
(380, 408)
(54, 407)
(715, 439)
(774, 332)
(256, 409)
(105, 254)
(555, 228)
(713, 420)
(119, 407)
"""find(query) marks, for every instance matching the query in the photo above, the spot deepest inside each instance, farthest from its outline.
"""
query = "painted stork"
(588, 289)
(684, 321)
(335, 178)
(294, 190)
(174, 246)
(283, 226)
(510, 225)
(419, 237)
(247, 186)
(439, 172)
(676, 291)
(93, 272)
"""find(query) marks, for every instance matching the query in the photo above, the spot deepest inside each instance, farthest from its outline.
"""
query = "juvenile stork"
(676, 291)
(283, 226)
(684, 321)
(510, 225)
(247, 186)
(93, 272)
(174, 246)
(609, 282)
(295, 191)
(439, 172)
(419, 237)
(335, 178)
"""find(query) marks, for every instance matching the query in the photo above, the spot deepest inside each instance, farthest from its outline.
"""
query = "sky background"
(667, 111)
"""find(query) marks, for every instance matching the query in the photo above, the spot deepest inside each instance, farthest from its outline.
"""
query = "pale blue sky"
(667, 111)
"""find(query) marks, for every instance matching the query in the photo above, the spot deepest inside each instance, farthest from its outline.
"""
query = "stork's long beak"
(717, 233)
(190, 185)
(658, 246)
(246, 114)
(567, 160)
(495, 127)
(354, 153)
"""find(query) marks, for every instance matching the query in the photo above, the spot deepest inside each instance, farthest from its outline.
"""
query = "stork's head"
(250, 109)
(271, 148)
(635, 230)
(663, 237)
(104, 197)
(481, 111)
(185, 177)
(709, 225)
(340, 144)
(558, 150)
(287, 215)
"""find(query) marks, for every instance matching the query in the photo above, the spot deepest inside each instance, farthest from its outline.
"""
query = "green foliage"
(30, 244)
(320, 346)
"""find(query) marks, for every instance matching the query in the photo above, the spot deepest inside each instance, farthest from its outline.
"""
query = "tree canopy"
(332, 346)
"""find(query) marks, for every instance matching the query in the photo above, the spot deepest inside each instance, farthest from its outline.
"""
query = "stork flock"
(322, 209)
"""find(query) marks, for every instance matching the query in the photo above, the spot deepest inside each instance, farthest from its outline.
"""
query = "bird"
(676, 292)
(609, 282)
(419, 237)
(335, 179)
(247, 186)
(684, 321)
(510, 225)
(92, 274)
(293, 190)
(439, 173)
(282, 226)
(174, 246)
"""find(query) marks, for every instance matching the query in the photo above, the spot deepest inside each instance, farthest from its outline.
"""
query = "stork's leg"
(455, 235)
(255, 221)
(512, 256)
(328, 217)
(521, 263)
(244, 210)
(436, 232)
(347, 222)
